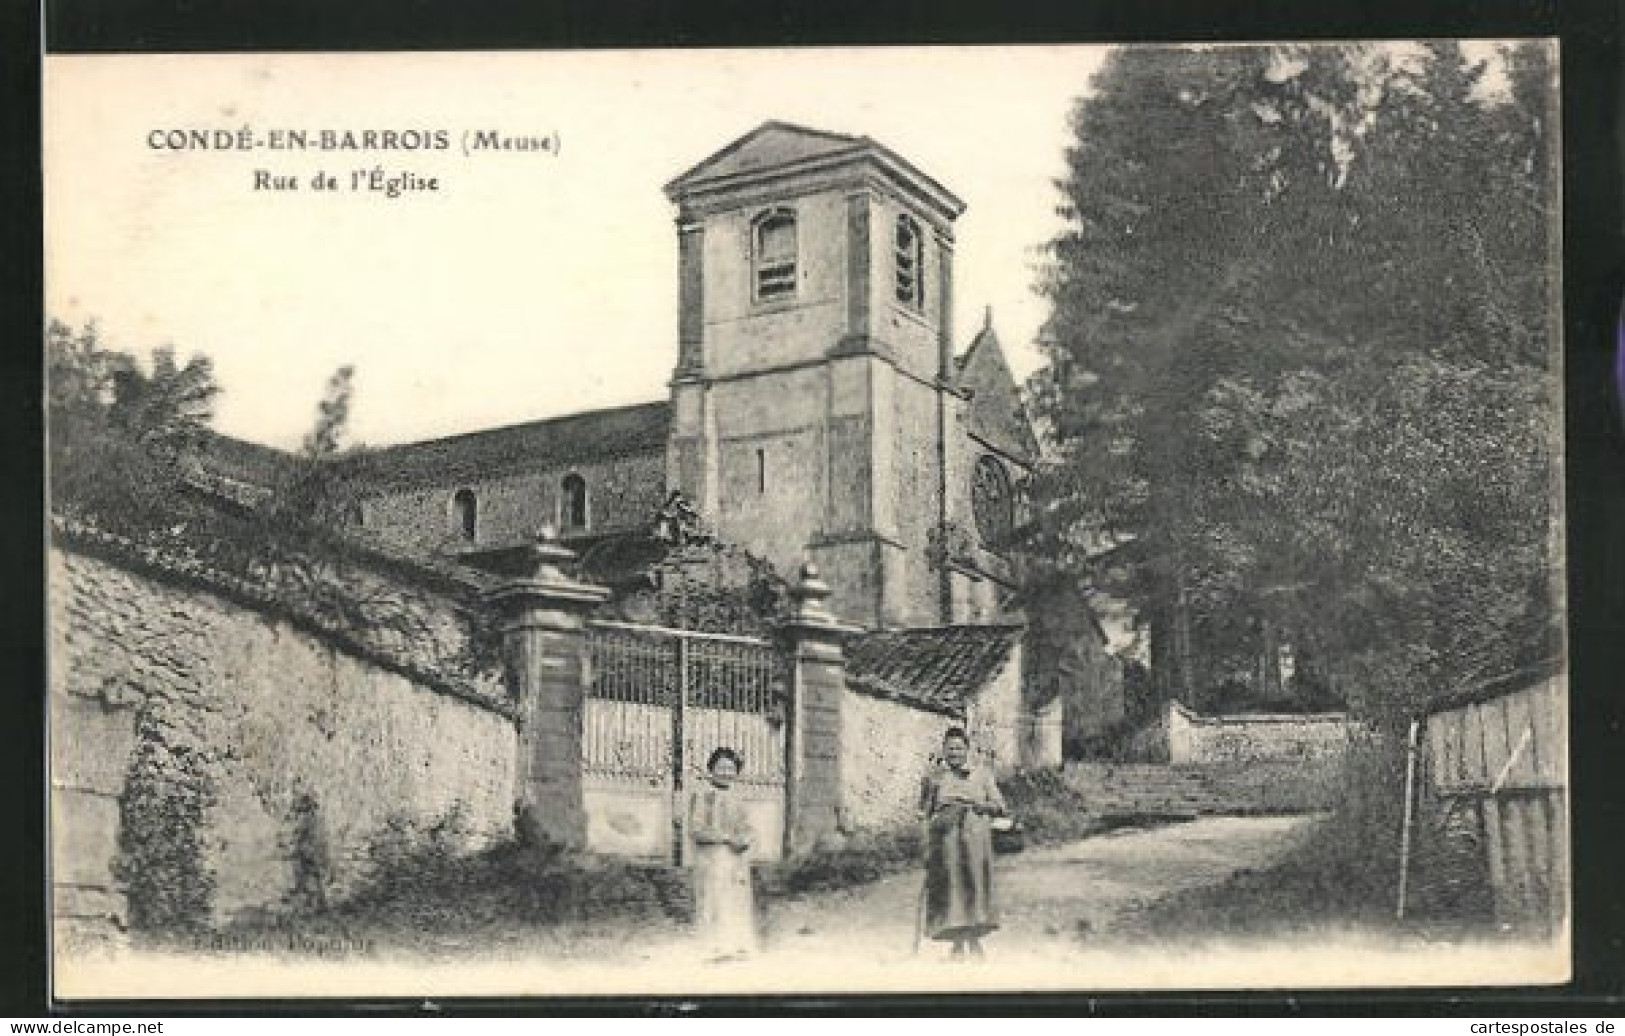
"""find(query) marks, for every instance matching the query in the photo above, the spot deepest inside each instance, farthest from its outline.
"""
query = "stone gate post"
(543, 622)
(813, 780)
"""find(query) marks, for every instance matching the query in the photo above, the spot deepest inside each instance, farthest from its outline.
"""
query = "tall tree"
(1190, 174)
(1296, 356)
(324, 484)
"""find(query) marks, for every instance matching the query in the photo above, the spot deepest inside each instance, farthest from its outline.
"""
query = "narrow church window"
(574, 510)
(991, 503)
(761, 470)
(774, 248)
(464, 514)
(910, 247)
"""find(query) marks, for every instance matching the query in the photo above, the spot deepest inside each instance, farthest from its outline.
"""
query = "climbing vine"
(162, 862)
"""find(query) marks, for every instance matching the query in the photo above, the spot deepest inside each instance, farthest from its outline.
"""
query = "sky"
(530, 284)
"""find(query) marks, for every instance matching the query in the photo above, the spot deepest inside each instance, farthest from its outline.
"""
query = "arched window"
(909, 246)
(464, 514)
(573, 505)
(773, 254)
(992, 504)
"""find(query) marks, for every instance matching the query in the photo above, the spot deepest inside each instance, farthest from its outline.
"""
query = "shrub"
(420, 881)
(866, 858)
(161, 862)
(1346, 872)
(1048, 808)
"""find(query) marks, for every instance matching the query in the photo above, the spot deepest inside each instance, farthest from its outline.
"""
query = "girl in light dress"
(720, 836)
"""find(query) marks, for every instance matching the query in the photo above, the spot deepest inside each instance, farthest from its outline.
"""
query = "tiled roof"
(577, 438)
(941, 668)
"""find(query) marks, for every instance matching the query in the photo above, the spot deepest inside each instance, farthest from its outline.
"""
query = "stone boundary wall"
(889, 742)
(886, 747)
(1257, 738)
(244, 744)
(1003, 728)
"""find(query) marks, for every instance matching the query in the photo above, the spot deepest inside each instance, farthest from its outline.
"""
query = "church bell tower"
(812, 400)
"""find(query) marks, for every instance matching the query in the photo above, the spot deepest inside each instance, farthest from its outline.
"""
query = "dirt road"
(1052, 898)
(1061, 906)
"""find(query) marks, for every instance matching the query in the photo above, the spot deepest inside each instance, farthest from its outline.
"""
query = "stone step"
(1149, 788)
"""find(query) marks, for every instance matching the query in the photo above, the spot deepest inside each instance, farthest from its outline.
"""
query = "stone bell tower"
(811, 402)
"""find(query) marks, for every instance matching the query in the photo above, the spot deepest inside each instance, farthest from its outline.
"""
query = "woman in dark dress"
(958, 802)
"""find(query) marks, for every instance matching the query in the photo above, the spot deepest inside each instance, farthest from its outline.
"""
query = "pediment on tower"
(771, 145)
(775, 150)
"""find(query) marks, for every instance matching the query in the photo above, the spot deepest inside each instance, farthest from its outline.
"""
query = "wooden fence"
(1502, 754)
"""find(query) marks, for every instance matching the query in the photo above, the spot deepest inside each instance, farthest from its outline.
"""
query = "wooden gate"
(659, 703)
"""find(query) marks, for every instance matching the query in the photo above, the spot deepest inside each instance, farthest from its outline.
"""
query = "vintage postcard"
(805, 521)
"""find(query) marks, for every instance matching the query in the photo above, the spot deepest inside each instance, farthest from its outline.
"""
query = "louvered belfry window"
(774, 245)
(910, 248)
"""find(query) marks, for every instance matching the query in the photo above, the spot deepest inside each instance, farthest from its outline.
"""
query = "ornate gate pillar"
(813, 777)
(543, 622)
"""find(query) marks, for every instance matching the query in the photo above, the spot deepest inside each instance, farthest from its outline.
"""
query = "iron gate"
(659, 703)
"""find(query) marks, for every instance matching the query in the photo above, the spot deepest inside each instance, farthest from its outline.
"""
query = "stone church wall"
(918, 492)
(304, 754)
(974, 597)
(622, 493)
(773, 505)
(744, 335)
(909, 334)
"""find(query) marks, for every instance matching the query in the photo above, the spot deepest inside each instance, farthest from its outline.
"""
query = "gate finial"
(544, 554)
(810, 593)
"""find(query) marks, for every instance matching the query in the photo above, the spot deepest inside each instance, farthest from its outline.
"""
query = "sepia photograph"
(806, 520)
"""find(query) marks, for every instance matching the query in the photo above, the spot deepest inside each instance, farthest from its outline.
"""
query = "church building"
(820, 410)
(820, 407)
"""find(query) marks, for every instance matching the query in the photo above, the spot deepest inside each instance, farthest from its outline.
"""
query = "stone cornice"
(858, 170)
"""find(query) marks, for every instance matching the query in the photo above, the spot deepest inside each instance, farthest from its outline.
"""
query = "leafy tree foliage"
(125, 443)
(119, 432)
(1298, 362)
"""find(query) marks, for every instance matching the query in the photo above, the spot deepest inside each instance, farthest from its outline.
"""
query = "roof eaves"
(878, 688)
(519, 427)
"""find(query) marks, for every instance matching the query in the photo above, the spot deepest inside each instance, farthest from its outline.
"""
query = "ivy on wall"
(162, 861)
